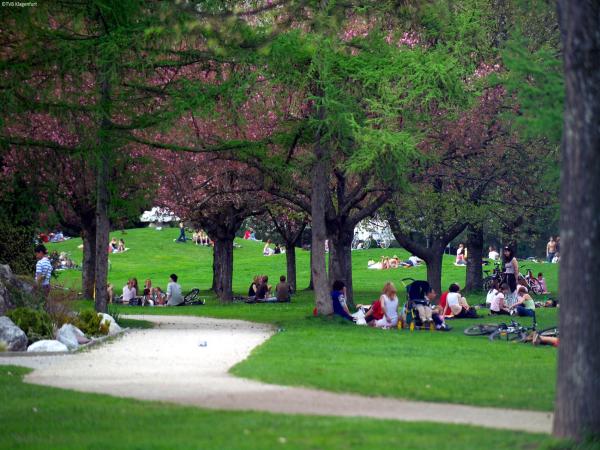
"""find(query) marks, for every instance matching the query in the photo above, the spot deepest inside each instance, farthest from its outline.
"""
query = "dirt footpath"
(186, 360)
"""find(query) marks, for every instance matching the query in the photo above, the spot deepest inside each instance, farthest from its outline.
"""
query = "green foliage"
(21, 298)
(536, 78)
(88, 321)
(36, 324)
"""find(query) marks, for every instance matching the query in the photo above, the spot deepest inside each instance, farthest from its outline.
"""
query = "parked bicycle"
(531, 281)
(512, 331)
(495, 274)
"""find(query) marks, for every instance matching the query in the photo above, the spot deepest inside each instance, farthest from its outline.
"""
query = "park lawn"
(38, 417)
(330, 354)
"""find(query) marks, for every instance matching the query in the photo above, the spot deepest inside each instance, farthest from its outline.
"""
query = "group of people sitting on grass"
(268, 251)
(385, 312)
(149, 296)
(393, 263)
(116, 247)
(261, 291)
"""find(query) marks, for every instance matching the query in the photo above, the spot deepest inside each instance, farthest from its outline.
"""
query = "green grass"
(36, 417)
(337, 356)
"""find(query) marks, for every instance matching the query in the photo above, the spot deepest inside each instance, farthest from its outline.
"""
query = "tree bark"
(474, 281)
(320, 188)
(223, 268)
(434, 259)
(102, 232)
(340, 261)
(290, 259)
(577, 411)
(88, 269)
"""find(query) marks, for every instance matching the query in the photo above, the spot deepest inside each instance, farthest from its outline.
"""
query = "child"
(497, 306)
(542, 281)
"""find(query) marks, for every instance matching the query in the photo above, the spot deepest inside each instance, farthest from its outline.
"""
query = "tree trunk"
(102, 232)
(434, 259)
(320, 188)
(311, 284)
(88, 265)
(474, 281)
(577, 411)
(290, 259)
(223, 268)
(340, 261)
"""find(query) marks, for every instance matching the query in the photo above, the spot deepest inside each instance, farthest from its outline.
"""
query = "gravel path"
(171, 363)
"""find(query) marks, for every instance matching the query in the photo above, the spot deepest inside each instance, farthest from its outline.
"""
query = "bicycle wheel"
(481, 329)
(191, 296)
(535, 286)
(549, 332)
(487, 283)
(512, 335)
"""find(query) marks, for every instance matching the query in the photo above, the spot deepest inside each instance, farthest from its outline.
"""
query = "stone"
(47, 345)
(8, 279)
(113, 327)
(71, 336)
(15, 338)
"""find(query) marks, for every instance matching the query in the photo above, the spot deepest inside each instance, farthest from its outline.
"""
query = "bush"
(59, 306)
(89, 322)
(36, 324)
(21, 298)
(16, 249)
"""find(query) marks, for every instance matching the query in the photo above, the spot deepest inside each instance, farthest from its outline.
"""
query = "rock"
(71, 336)
(47, 345)
(7, 278)
(15, 338)
(113, 327)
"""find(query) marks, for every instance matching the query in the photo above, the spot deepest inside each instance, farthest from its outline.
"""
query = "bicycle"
(511, 332)
(495, 274)
(190, 299)
(533, 284)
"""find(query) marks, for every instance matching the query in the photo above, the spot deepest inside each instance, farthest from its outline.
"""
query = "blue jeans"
(550, 257)
(524, 312)
(181, 237)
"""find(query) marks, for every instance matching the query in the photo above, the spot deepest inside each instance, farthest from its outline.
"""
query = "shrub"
(16, 249)
(36, 324)
(59, 306)
(89, 322)
(21, 298)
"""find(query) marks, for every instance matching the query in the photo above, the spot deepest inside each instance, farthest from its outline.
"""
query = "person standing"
(511, 271)
(181, 237)
(551, 249)
(43, 269)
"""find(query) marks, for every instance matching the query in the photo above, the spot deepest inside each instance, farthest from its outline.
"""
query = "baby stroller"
(415, 294)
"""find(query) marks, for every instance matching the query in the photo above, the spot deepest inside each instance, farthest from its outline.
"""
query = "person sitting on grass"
(497, 307)
(283, 290)
(174, 297)
(458, 304)
(461, 255)
(112, 247)
(373, 311)
(263, 293)
(389, 306)
(493, 291)
(542, 282)
(253, 289)
(338, 297)
(121, 246)
(267, 251)
(525, 306)
(129, 291)
(429, 312)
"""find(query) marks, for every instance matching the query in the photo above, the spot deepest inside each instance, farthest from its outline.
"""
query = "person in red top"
(444, 304)
(375, 312)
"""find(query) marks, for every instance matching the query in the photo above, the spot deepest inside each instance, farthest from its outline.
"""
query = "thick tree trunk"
(223, 268)
(88, 265)
(578, 389)
(434, 259)
(340, 261)
(290, 259)
(102, 232)
(320, 188)
(474, 279)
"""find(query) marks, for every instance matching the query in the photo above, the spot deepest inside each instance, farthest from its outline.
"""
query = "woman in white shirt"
(389, 306)
(497, 306)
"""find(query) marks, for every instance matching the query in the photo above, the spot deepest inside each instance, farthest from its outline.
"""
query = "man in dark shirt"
(282, 290)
